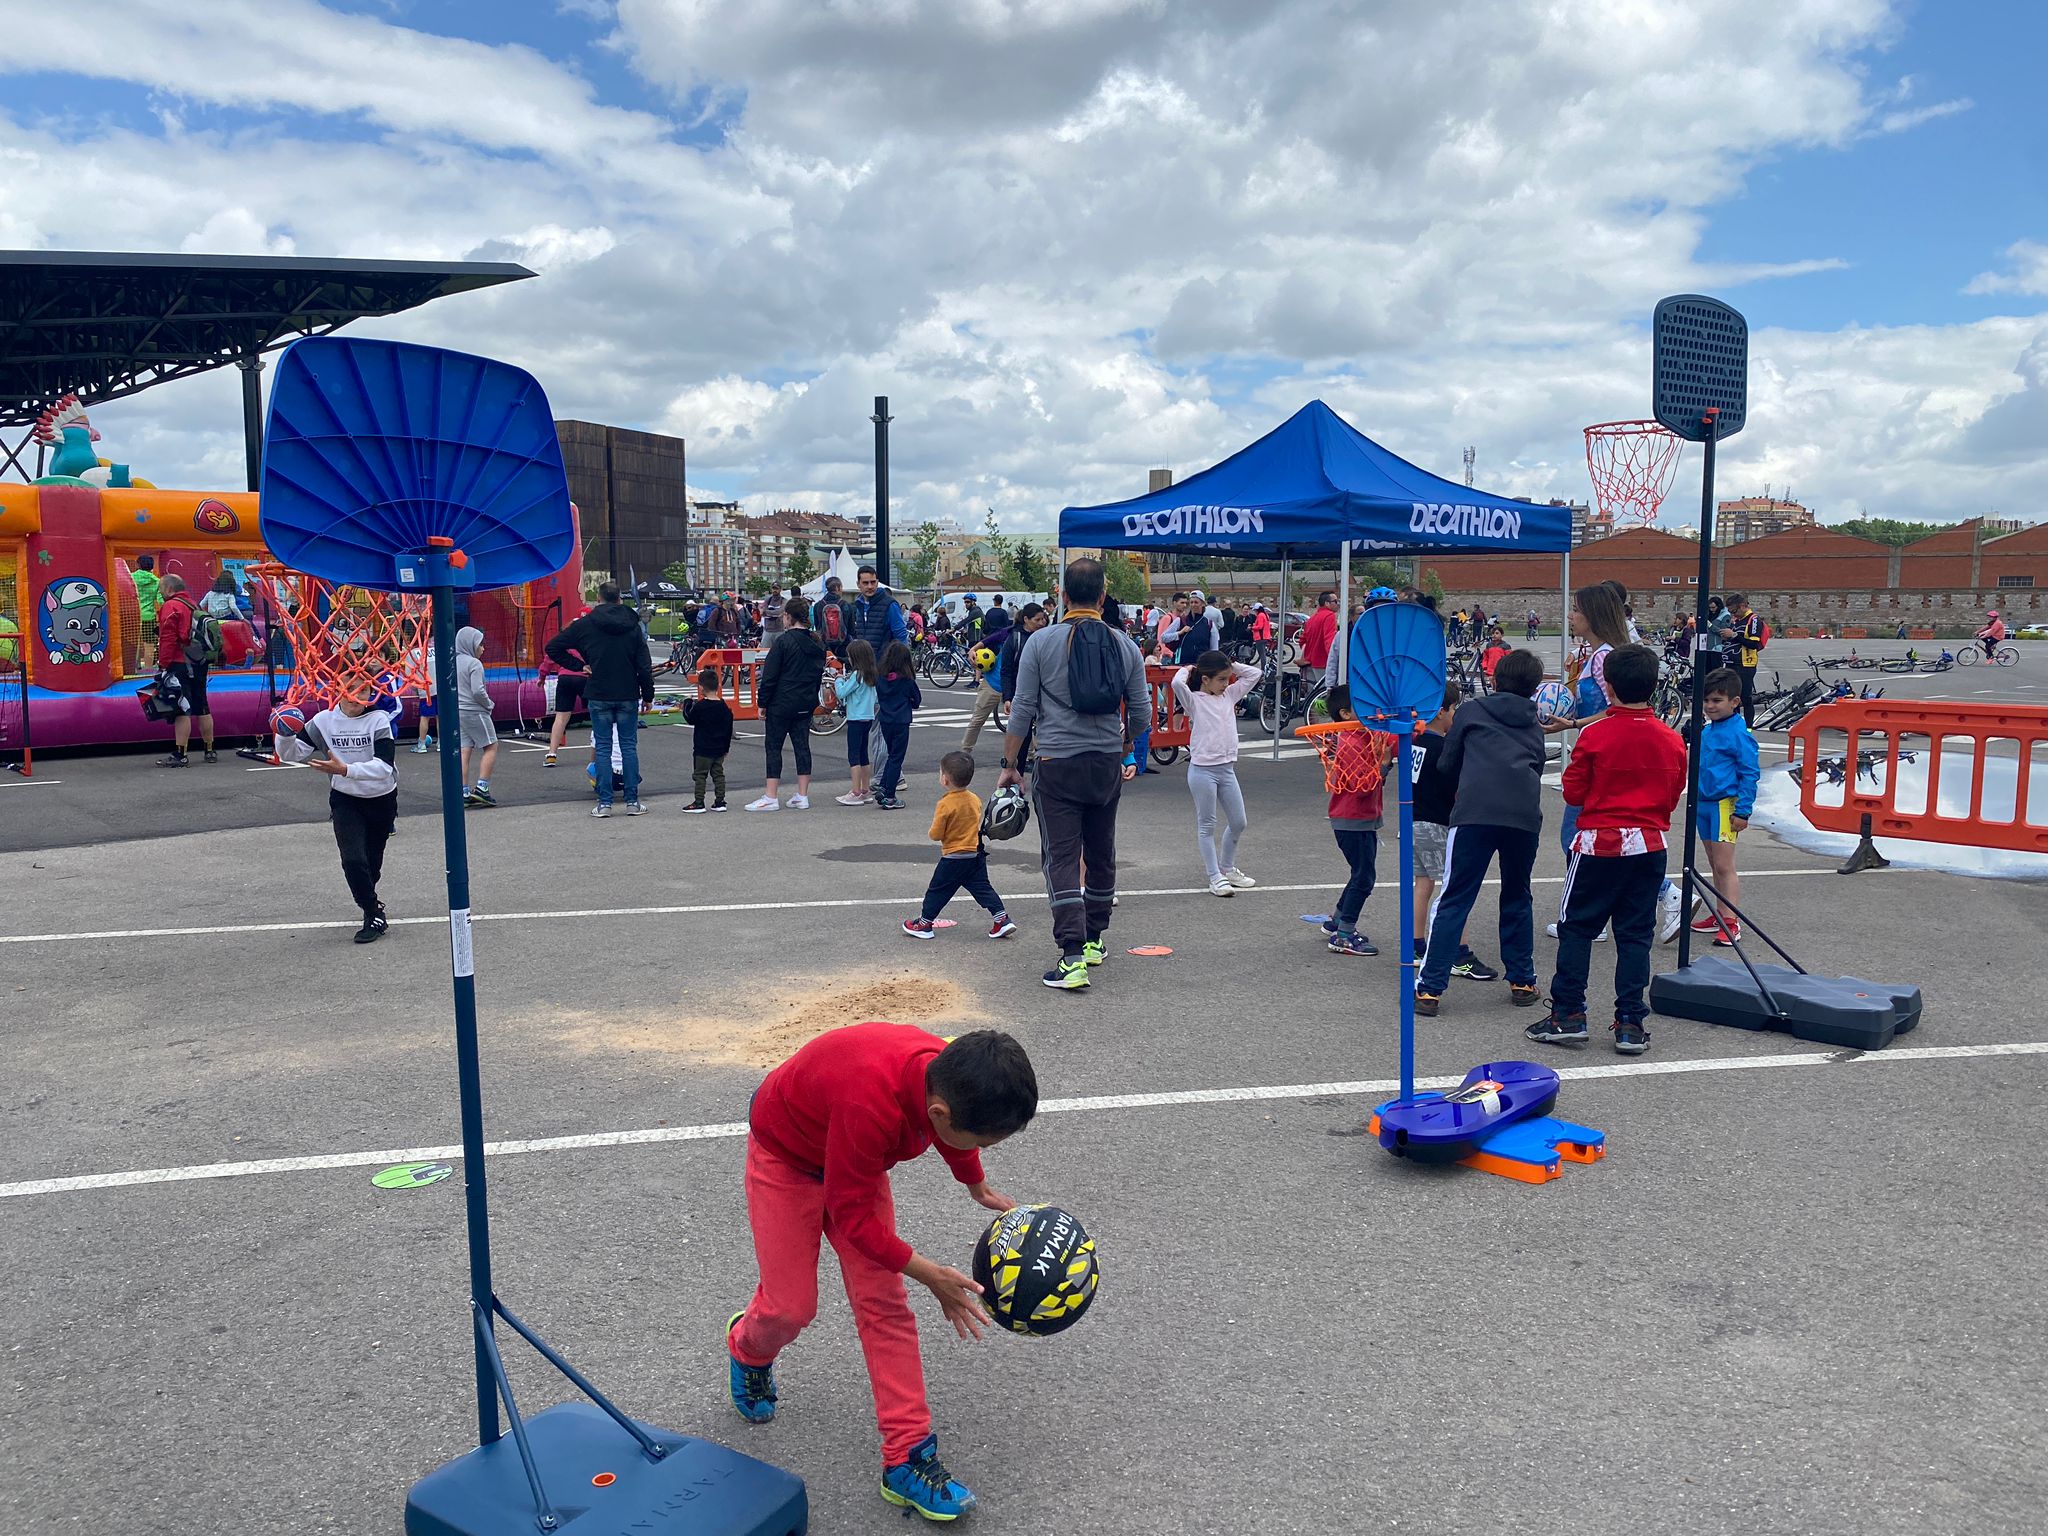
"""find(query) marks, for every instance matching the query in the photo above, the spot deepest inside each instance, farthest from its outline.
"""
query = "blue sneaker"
(922, 1483)
(1352, 944)
(753, 1387)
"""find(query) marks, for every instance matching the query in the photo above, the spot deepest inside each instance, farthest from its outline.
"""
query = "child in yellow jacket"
(963, 861)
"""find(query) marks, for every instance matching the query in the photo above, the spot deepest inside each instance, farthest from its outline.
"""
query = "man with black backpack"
(187, 644)
(1081, 690)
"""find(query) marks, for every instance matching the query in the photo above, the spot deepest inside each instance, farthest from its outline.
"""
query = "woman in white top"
(1209, 692)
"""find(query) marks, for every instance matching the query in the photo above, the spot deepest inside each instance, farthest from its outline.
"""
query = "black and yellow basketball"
(1036, 1269)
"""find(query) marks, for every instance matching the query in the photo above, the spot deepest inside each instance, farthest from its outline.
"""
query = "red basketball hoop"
(1632, 464)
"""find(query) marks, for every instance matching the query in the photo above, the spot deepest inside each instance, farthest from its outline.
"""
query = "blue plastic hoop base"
(697, 1487)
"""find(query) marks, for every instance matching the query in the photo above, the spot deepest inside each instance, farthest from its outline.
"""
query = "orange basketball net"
(1350, 753)
(343, 640)
(1632, 464)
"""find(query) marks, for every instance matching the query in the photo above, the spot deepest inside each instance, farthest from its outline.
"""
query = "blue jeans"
(1471, 852)
(610, 718)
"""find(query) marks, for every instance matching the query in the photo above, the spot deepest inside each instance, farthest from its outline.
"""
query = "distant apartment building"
(1588, 522)
(717, 560)
(773, 540)
(1757, 517)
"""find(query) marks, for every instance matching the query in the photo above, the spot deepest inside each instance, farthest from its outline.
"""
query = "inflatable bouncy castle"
(77, 631)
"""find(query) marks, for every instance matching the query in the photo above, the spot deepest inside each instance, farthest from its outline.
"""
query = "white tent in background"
(845, 567)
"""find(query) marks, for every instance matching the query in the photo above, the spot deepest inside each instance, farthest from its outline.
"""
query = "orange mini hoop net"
(344, 640)
(1632, 464)
(1350, 754)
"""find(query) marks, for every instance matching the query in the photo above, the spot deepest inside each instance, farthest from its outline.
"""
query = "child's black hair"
(987, 1082)
(1453, 694)
(958, 767)
(896, 658)
(1518, 672)
(1631, 673)
(1337, 699)
(1725, 681)
(1207, 665)
(708, 679)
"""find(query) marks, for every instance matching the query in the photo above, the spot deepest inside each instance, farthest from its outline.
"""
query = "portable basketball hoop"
(1347, 770)
(398, 470)
(1632, 465)
(341, 640)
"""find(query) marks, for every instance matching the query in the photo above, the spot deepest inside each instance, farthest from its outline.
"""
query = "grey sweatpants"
(1214, 786)
(986, 702)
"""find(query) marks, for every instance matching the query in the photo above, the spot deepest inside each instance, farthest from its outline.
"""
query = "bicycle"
(1942, 663)
(683, 652)
(2005, 655)
(941, 665)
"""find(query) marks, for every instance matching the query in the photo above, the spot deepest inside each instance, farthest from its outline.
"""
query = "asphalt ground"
(1799, 1295)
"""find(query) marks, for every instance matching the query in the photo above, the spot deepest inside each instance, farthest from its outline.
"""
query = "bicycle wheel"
(1165, 756)
(1970, 655)
(2008, 655)
(942, 669)
(829, 721)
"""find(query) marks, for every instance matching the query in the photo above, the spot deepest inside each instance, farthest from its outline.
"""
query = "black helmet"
(1007, 814)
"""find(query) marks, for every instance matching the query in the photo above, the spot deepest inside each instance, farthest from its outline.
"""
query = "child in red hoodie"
(1355, 817)
(825, 1128)
(1626, 777)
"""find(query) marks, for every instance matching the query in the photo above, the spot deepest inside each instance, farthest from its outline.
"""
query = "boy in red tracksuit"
(1626, 776)
(825, 1129)
(1355, 817)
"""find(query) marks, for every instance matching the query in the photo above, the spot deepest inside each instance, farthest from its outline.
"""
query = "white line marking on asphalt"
(311, 924)
(734, 1129)
(17, 783)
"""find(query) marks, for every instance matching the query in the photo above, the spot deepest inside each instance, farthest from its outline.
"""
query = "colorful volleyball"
(1556, 701)
(288, 721)
(1036, 1268)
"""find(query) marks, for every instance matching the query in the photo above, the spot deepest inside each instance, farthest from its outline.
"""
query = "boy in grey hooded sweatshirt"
(473, 697)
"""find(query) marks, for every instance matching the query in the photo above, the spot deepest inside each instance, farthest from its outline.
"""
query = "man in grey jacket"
(1079, 773)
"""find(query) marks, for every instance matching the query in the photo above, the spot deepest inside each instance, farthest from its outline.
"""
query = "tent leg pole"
(1564, 619)
(1279, 688)
(1344, 608)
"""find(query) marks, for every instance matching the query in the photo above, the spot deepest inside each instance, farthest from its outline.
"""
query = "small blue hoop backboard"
(372, 448)
(1700, 364)
(1397, 664)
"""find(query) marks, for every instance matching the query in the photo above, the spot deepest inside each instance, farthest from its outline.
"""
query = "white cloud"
(1072, 240)
(2028, 274)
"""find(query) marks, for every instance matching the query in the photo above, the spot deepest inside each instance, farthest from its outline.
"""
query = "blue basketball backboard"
(1397, 664)
(373, 447)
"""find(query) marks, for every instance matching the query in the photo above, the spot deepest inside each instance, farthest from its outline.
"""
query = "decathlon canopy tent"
(1313, 485)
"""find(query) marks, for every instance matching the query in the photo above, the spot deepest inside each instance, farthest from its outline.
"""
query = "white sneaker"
(852, 799)
(1599, 938)
(1220, 886)
(600, 811)
(1239, 878)
(1668, 915)
(765, 803)
(799, 802)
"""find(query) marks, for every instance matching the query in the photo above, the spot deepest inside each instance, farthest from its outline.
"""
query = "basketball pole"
(1404, 739)
(440, 573)
(1711, 420)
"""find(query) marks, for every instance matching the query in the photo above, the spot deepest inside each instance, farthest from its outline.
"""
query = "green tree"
(676, 573)
(758, 585)
(1025, 567)
(1128, 580)
(920, 572)
(1001, 552)
(1889, 530)
(971, 565)
(1431, 583)
(801, 567)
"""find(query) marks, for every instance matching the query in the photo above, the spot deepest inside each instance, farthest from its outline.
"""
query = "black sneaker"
(1559, 1029)
(175, 760)
(1471, 967)
(695, 808)
(212, 756)
(1070, 975)
(720, 806)
(1630, 1039)
(373, 927)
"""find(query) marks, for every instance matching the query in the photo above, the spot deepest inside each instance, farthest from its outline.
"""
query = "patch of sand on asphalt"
(773, 1029)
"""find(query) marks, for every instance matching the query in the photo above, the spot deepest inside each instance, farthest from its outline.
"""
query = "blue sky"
(1073, 242)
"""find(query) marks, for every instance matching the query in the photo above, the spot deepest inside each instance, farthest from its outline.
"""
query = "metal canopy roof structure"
(106, 324)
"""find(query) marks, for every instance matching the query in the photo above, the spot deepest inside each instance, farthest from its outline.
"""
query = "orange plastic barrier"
(1170, 724)
(733, 670)
(1870, 800)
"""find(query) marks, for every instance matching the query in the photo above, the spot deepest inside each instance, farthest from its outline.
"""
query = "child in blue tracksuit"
(1728, 777)
(896, 696)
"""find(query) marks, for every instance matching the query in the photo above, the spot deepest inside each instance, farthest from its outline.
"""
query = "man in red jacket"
(825, 1129)
(1317, 636)
(176, 654)
(1626, 776)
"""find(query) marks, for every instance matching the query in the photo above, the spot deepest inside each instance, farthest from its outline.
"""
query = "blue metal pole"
(1403, 770)
(455, 843)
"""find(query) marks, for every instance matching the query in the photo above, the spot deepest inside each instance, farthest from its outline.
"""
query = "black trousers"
(954, 875)
(361, 829)
(1748, 676)
(796, 725)
(1595, 891)
(1076, 799)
